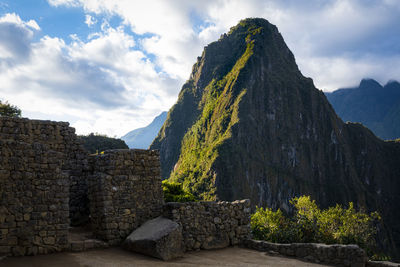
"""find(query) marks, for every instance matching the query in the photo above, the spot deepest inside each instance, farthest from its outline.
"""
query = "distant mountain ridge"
(142, 137)
(375, 106)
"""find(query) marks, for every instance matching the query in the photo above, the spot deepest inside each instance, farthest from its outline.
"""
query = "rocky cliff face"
(247, 124)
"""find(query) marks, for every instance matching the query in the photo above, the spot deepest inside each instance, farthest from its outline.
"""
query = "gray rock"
(218, 240)
(160, 238)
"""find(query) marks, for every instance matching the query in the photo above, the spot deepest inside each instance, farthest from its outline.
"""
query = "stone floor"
(118, 257)
(81, 238)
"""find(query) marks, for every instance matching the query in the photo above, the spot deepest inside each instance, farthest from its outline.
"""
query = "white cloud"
(63, 2)
(314, 30)
(336, 42)
(90, 21)
(15, 19)
(103, 84)
(351, 71)
(113, 82)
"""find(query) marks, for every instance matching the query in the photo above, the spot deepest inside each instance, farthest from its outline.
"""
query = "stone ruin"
(49, 183)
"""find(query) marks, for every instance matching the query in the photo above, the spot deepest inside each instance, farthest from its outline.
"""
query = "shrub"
(272, 226)
(174, 192)
(6, 109)
(311, 224)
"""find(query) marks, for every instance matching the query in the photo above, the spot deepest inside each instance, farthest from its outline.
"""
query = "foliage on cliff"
(95, 143)
(248, 124)
(219, 104)
(173, 192)
(8, 110)
(334, 225)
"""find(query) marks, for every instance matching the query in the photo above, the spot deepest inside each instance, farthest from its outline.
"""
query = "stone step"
(83, 245)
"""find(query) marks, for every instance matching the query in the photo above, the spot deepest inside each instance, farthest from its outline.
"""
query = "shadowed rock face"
(160, 238)
(248, 124)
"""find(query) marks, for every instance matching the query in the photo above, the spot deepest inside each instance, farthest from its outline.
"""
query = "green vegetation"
(247, 135)
(8, 110)
(173, 192)
(202, 144)
(335, 225)
(95, 143)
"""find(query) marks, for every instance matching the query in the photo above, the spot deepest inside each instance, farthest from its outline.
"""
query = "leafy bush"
(311, 224)
(173, 192)
(272, 226)
(6, 109)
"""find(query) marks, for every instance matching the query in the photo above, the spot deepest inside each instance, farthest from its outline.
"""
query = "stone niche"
(124, 192)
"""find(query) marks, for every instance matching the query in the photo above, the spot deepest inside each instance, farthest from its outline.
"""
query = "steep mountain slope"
(375, 106)
(142, 137)
(247, 124)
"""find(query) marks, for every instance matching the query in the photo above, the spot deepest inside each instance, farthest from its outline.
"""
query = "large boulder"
(160, 238)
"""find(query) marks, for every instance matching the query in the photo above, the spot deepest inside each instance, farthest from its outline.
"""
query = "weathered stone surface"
(160, 238)
(382, 264)
(124, 191)
(31, 198)
(343, 255)
(211, 225)
(46, 180)
(44, 188)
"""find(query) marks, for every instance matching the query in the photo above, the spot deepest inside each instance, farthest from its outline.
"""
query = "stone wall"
(47, 181)
(34, 210)
(209, 225)
(124, 191)
(342, 255)
(56, 136)
(42, 181)
(382, 264)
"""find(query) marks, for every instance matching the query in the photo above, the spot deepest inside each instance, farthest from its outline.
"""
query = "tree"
(8, 110)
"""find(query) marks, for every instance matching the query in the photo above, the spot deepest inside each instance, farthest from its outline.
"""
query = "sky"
(111, 66)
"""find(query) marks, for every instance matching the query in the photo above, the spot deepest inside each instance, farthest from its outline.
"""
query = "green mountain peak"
(248, 124)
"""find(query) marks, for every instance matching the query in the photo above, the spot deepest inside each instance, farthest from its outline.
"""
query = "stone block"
(160, 238)
(49, 240)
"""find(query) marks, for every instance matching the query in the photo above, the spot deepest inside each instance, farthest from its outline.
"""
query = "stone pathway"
(118, 257)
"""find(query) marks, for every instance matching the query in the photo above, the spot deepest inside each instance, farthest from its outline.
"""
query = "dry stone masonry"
(210, 225)
(38, 163)
(34, 209)
(340, 255)
(44, 174)
(55, 136)
(125, 191)
(48, 182)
